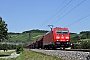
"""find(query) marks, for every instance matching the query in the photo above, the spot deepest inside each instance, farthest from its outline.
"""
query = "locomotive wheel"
(62, 48)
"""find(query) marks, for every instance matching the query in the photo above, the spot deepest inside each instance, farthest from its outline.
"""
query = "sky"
(24, 15)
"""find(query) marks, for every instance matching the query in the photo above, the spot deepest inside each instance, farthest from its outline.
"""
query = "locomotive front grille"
(58, 43)
(62, 43)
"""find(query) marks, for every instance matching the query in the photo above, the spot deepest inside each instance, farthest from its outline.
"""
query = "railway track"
(83, 50)
(68, 54)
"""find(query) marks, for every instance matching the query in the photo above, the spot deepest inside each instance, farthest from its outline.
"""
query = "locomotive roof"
(60, 28)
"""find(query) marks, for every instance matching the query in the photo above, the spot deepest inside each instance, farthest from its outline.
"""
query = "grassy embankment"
(30, 55)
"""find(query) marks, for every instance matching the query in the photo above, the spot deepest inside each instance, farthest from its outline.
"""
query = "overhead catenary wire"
(70, 11)
(78, 20)
(57, 12)
(79, 14)
(66, 8)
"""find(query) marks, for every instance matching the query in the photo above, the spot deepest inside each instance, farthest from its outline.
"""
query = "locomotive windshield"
(62, 31)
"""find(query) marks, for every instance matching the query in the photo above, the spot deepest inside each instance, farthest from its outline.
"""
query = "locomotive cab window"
(62, 31)
(59, 32)
(65, 32)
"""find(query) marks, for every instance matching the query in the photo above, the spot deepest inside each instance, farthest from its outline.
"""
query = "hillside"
(81, 40)
(35, 34)
(26, 36)
(82, 36)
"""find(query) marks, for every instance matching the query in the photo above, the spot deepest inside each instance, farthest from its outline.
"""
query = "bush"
(85, 45)
(76, 46)
(19, 49)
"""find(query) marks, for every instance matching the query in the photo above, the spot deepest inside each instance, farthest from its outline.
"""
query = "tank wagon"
(57, 38)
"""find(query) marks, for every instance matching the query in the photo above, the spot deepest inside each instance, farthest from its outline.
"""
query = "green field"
(25, 37)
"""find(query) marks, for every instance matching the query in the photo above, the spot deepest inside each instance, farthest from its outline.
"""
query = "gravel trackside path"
(66, 55)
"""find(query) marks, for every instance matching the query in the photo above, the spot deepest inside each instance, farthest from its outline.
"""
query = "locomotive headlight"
(66, 40)
(57, 37)
(67, 37)
(57, 40)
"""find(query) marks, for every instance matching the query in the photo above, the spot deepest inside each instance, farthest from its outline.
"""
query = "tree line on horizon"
(30, 31)
(82, 35)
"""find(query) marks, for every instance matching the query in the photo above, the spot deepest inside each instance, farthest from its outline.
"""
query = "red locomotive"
(58, 37)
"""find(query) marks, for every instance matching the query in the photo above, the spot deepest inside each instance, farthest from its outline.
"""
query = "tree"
(87, 33)
(19, 49)
(76, 38)
(83, 36)
(3, 30)
(5, 47)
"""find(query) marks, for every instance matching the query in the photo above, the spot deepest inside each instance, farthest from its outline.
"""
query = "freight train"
(56, 38)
